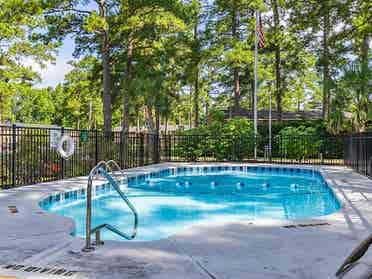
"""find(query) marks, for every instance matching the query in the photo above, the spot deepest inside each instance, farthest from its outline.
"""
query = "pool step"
(51, 253)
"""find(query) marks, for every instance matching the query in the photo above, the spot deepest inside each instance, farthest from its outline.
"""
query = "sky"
(55, 73)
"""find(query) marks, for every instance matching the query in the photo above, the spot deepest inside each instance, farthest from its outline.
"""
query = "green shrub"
(230, 141)
(319, 125)
(299, 142)
(216, 116)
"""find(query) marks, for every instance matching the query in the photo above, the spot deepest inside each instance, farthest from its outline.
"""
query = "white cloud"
(54, 73)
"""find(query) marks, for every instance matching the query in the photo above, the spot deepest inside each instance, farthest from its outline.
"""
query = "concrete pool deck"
(250, 249)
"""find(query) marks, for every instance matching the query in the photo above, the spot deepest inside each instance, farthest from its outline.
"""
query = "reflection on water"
(172, 204)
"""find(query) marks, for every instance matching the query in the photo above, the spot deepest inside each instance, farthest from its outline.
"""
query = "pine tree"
(21, 24)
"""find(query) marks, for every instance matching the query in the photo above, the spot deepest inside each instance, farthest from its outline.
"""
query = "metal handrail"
(117, 167)
(130, 205)
(102, 168)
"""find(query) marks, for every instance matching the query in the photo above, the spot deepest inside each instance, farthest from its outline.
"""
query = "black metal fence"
(291, 150)
(358, 153)
(27, 155)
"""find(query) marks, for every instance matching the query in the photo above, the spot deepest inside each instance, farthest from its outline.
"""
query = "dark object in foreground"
(357, 253)
(12, 209)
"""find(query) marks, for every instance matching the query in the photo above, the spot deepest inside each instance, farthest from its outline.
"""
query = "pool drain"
(40, 270)
(306, 225)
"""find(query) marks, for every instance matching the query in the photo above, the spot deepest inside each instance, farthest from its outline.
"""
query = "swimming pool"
(171, 200)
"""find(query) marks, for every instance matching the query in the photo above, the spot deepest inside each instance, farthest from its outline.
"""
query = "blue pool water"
(172, 200)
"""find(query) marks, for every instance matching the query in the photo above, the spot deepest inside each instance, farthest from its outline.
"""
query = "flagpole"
(270, 122)
(255, 86)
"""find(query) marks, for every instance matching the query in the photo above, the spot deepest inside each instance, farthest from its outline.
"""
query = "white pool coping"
(239, 249)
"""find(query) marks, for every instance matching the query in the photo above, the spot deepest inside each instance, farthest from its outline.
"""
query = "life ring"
(70, 147)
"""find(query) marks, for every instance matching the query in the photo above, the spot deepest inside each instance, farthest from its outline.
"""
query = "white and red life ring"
(66, 147)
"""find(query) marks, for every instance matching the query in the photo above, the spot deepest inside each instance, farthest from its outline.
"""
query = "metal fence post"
(280, 149)
(121, 148)
(142, 149)
(240, 154)
(169, 148)
(359, 155)
(62, 160)
(14, 150)
(156, 148)
(96, 145)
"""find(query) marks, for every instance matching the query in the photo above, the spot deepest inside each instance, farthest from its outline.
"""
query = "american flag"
(260, 33)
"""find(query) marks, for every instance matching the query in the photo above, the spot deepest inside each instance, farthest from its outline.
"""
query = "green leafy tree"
(78, 100)
(34, 106)
(144, 30)
(229, 32)
(20, 25)
(91, 30)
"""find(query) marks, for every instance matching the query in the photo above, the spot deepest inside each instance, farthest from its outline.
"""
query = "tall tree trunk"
(250, 88)
(236, 93)
(157, 136)
(153, 129)
(206, 113)
(278, 85)
(105, 52)
(326, 62)
(364, 57)
(196, 100)
(364, 52)
(166, 125)
(157, 121)
(128, 81)
(107, 112)
(1, 108)
(149, 120)
(196, 83)
(235, 35)
(126, 98)
(90, 114)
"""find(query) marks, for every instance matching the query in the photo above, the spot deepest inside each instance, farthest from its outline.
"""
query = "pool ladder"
(113, 176)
